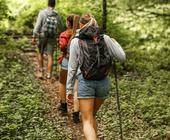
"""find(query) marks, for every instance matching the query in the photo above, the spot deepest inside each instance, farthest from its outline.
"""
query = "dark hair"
(73, 20)
(51, 3)
(70, 19)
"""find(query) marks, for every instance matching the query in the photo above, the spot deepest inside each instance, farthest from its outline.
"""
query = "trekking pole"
(118, 99)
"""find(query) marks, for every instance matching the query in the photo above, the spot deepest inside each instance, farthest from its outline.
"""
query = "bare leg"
(97, 104)
(40, 60)
(50, 63)
(62, 92)
(86, 109)
(40, 63)
(62, 85)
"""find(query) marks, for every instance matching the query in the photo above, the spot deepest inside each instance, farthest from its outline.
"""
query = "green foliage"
(144, 97)
(22, 103)
(3, 9)
(141, 27)
(23, 14)
(4, 14)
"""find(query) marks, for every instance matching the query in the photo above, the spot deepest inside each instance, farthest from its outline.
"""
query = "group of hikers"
(85, 61)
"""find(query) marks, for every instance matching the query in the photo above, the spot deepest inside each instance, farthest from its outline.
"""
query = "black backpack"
(95, 60)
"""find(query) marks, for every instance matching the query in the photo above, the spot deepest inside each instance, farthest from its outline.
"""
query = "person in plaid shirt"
(47, 34)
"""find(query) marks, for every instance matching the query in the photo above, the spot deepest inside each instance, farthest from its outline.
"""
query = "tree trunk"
(104, 16)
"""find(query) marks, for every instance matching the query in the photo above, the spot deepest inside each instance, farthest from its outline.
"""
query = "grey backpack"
(50, 26)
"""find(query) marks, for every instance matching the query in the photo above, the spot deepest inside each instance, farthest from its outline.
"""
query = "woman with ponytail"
(72, 23)
(91, 53)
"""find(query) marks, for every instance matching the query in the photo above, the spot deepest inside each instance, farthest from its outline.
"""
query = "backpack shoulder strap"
(82, 44)
(76, 36)
(55, 13)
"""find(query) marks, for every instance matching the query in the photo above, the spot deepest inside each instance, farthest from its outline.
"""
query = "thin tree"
(104, 16)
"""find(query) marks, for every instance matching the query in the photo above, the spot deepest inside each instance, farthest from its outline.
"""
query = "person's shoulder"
(54, 12)
(74, 42)
(75, 39)
(66, 34)
(110, 40)
(106, 36)
(43, 11)
(63, 34)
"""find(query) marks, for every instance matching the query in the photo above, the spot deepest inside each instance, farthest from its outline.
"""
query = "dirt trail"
(50, 88)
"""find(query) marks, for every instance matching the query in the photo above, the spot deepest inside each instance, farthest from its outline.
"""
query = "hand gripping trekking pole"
(118, 99)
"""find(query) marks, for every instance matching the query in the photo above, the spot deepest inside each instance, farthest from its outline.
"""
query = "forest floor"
(51, 90)
(29, 104)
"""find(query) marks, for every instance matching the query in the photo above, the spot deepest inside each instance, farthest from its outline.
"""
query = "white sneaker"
(48, 75)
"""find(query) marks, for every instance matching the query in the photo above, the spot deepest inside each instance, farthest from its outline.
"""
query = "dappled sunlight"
(28, 105)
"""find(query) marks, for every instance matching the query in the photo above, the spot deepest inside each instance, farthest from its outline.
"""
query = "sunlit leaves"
(22, 105)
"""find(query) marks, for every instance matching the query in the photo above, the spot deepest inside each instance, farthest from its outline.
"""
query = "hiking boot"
(63, 108)
(76, 118)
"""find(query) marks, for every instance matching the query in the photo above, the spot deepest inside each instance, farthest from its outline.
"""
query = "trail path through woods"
(51, 91)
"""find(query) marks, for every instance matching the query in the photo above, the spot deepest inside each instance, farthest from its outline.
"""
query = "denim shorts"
(64, 64)
(93, 88)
